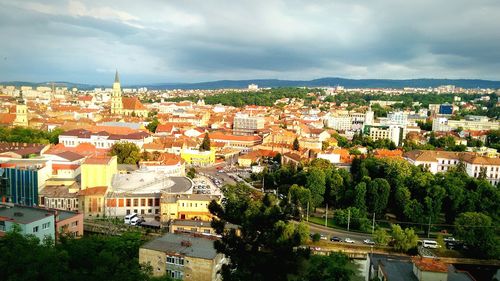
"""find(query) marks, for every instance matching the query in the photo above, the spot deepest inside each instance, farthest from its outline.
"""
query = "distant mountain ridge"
(265, 83)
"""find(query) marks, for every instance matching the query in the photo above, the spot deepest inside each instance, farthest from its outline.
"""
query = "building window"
(75, 223)
(136, 202)
(175, 260)
(150, 202)
(175, 274)
(128, 202)
(35, 229)
(143, 202)
(46, 225)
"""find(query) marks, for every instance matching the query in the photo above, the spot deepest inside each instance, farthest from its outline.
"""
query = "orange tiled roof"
(386, 153)
(93, 191)
(429, 264)
(7, 118)
(102, 160)
(132, 104)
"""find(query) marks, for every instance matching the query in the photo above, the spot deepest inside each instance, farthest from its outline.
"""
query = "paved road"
(223, 177)
(212, 171)
(330, 232)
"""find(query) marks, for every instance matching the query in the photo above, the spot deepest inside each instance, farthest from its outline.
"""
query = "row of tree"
(266, 97)
(386, 186)
(29, 135)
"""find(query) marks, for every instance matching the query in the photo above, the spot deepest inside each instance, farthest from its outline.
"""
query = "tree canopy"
(86, 258)
(126, 152)
(29, 135)
(267, 245)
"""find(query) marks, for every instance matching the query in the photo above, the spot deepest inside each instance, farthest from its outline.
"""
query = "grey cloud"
(157, 41)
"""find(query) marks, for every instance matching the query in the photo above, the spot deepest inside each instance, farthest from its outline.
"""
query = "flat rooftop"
(22, 214)
(148, 182)
(184, 244)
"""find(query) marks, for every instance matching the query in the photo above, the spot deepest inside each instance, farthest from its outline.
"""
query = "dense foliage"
(266, 247)
(28, 135)
(88, 258)
(205, 144)
(266, 97)
(387, 186)
(126, 152)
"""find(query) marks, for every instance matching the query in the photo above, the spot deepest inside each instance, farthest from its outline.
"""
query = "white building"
(103, 140)
(395, 133)
(441, 161)
(343, 120)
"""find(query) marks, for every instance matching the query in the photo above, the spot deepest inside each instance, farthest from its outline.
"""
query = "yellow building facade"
(186, 206)
(98, 171)
(198, 158)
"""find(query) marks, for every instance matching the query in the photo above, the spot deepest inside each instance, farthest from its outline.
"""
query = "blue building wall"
(445, 109)
(22, 186)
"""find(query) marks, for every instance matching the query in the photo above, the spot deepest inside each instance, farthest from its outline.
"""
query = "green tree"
(478, 232)
(381, 237)
(264, 247)
(205, 144)
(440, 242)
(153, 125)
(316, 183)
(296, 144)
(404, 240)
(378, 195)
(360, 196)
(191, 173)
(299, 197)
(126, 152)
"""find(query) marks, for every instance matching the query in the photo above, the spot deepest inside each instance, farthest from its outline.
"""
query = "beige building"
(182, 256)
(245, 124)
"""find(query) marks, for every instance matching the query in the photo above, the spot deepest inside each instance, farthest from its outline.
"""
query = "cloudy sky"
(192, 41)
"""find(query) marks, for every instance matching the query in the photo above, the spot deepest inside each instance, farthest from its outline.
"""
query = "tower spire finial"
(117, 78)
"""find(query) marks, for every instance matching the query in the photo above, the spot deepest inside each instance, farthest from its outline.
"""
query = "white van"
(136, 220)
(129, 217)
(430, 244)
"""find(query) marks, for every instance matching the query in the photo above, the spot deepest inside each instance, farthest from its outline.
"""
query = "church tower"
(116, 98)
(21, 113)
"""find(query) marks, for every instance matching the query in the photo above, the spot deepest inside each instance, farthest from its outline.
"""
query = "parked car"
(450, 239)
(349, 240)
(430, 244)
(323, 237)
(336, 239)
(368, 242)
